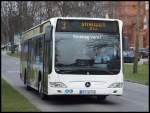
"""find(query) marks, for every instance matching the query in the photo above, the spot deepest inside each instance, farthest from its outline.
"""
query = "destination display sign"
(98, 26)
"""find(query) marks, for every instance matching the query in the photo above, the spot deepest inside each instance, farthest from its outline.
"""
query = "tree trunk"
(135, 65)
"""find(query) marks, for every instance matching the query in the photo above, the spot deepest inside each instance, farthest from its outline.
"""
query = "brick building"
(127, 11)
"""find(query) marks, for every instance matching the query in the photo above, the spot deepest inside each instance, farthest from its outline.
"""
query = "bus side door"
(47, 56)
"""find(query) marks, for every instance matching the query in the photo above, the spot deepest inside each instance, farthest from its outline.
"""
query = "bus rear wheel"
(28, 87)
(25, 81)
(25, 77)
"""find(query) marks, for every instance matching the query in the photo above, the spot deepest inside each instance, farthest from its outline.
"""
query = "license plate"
(87, 92)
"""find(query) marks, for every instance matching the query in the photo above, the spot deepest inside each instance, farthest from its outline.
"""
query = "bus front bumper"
(69, 91)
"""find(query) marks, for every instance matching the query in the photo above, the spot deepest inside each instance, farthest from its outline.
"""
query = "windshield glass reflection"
(87, 53)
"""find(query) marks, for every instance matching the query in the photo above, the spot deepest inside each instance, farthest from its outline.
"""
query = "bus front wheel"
(101, 97)
(42, 95)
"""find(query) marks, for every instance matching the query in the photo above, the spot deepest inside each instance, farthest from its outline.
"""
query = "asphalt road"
(135, 97)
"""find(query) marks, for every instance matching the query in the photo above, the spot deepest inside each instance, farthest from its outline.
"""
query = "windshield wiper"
(107, 71)
(83, 71)
(65, 65)
(62, 71)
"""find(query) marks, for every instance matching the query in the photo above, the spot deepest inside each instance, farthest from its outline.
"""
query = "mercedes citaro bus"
(73, 56)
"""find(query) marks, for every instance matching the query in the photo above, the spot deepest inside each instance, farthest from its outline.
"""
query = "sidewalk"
(4, 52)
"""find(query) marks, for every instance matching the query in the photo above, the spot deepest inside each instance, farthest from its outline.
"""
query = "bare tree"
(137, 38)
(18, 16)
(27, 11)
(50, 9)
(4, 24)
(9, 13)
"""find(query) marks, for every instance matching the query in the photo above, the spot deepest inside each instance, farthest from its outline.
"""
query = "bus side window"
(48, 33)
(40, 52)
(33, 51)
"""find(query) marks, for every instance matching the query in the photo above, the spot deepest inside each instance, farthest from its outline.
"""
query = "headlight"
(116, 85)
(57, 84)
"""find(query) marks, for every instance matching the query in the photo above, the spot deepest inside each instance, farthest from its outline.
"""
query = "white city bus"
(73, 56)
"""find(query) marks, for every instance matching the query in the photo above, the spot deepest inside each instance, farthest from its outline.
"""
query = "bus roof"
(37, 26)
(84, 18)
(78, 18)
(39, 29)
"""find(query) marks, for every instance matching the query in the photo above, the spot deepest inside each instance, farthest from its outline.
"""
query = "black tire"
(101, 97)
(28, 87)
(25, 78)
(25, 81)
(40, 90)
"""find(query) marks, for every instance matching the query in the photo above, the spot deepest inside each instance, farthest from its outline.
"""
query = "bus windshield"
(87, 53)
